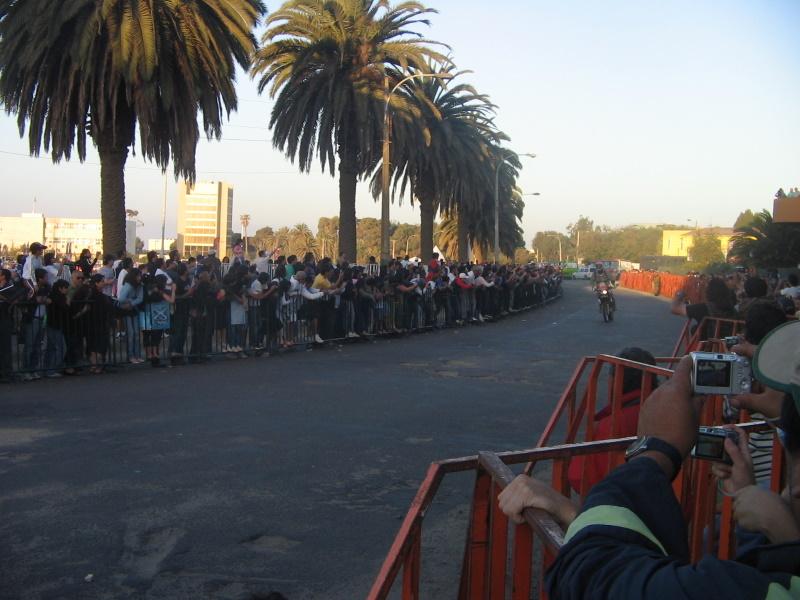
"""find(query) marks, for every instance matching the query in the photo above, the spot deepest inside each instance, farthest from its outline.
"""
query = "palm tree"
(328, 62)
(442, 154)
(301, 240)
(764, 243)
(84, 67)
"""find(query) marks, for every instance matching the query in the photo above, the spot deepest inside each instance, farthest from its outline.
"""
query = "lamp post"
(497, 204)
(408, 239)
(385, 160)
(245, 221)
(559, 245)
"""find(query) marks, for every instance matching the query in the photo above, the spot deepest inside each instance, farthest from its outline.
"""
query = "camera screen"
(710, 446)
(713, 373)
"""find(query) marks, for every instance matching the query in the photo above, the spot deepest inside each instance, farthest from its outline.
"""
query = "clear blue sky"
(640, 111)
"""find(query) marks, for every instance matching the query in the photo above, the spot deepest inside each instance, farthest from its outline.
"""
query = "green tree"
(88, 68)
(436, 154)
(765, 243)
(546, 247)
(264, 239)
(705, 250)
(301, 240)
(326, 63)
(328, 236)
(745, 219)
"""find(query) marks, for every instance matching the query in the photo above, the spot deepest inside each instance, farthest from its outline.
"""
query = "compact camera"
(731, 341)
(724, 374)
(710, 444)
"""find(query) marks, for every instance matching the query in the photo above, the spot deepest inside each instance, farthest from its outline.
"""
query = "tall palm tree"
(328, 62)
(79, 68)
(764, 243)
(442, 154)
(302, 240)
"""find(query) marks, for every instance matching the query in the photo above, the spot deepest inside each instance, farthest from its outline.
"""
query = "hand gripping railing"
(485, 573)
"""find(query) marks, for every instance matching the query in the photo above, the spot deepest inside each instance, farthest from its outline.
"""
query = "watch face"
(636, 447)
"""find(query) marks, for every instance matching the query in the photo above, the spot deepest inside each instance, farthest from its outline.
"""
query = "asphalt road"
(287, 473)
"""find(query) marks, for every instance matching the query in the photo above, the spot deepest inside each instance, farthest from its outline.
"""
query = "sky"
(638, 111)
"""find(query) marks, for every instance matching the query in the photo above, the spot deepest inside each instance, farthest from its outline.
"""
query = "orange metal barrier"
(490, 550)
(712, 327)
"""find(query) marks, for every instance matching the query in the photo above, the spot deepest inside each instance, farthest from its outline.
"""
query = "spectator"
(597, 464)
(290, 265)
(33, 326)
(154, 318)
(130, 301)
(6, 326)
(54, 270)
(99, 321)
(629, 540)
(75, 333)
(718, 305)
(793, 290)
(754, 288)
(86, 263)
(109, 277)
(58, 319)
(180, 317)
(33, 262)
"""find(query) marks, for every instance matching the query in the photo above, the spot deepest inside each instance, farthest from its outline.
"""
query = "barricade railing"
(104, 333)
(498, 565)
(690, 340)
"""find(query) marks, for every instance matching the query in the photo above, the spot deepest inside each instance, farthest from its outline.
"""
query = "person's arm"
(309, 295)
(630, 540)
(678, 306)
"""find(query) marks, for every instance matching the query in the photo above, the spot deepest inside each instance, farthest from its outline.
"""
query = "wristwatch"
(649, 443)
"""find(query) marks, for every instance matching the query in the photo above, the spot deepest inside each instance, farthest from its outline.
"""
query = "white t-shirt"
(791, 292)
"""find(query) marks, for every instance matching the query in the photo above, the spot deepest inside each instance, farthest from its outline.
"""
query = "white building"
(155, 244)
(63, 235)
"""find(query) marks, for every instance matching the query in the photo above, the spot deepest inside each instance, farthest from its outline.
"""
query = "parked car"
(584, 272)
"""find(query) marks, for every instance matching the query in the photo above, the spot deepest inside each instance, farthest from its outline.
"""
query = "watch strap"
(665, 448)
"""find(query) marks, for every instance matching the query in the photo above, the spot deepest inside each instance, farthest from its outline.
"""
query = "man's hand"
(670, 414)
(526, 492)
(739, 475)
(768, 402)
(757, 509)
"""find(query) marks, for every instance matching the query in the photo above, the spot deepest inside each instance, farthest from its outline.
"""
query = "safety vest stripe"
(611, 516)
(776, 591)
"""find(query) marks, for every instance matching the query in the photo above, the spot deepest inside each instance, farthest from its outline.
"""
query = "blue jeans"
(56, 348)
(33, 334)
(132, 331)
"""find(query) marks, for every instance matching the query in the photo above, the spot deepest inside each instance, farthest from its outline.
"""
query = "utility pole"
(245, 221)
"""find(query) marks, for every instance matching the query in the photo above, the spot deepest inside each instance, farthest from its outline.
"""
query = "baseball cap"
(777, 360)
(37, 246)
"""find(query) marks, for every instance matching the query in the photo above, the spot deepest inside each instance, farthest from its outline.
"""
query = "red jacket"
(597, 465)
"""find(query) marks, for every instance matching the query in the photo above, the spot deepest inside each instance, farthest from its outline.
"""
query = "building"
(62, 235)
(205, 217)
(678, 242)
(155, 244)
(786, 208)
(20, 232)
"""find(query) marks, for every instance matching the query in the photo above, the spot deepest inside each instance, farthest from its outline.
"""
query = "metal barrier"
(95, 334)
(708, 328)
(490, 550)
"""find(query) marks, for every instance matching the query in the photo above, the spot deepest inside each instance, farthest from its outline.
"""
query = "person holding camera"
(629, 539)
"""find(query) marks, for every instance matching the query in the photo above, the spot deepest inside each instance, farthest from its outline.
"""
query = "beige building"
(205, 217)
(21, 231)
(63, 235)
(678, 242)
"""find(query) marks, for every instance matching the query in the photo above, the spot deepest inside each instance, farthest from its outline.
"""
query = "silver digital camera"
(711, 444)
(724, 374)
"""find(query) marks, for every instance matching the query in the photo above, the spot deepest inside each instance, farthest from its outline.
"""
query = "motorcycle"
(605, 301)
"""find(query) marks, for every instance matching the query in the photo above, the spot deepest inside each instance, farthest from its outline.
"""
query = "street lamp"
(559, 245)
(497, 203)
(385, 163)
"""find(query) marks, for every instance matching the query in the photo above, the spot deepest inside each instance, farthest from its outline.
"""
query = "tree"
(445, 147)
(745, 219)
(87, 68)
(301, 240)
(546, 247)
(328, 236)
(765, 243)
(263, 239)
(327, 63)
(705, 250)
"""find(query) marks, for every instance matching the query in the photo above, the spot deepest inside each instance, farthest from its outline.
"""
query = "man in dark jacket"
(629, 539)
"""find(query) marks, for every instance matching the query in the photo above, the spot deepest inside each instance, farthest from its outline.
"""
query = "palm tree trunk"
(463, 237)
(427, 212)
(348, 178)
(112, 195)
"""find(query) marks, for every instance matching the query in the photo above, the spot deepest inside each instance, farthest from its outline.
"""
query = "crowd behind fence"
(169, 314)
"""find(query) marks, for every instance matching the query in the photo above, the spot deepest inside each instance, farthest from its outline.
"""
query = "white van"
(584, 272)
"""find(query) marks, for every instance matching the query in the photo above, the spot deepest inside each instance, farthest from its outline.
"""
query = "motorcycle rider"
(602, 281)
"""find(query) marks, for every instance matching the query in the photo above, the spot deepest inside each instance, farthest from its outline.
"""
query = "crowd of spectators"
(59, 318)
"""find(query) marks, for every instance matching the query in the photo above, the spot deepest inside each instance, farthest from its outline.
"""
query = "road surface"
(290, 473)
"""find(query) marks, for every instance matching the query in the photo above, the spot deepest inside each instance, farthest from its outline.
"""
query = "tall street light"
(497, 203)
(385, 164)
